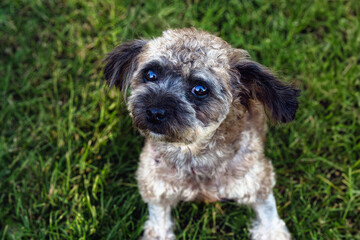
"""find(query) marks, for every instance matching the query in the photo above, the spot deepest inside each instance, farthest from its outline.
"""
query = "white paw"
(153, 232)
(273, 231)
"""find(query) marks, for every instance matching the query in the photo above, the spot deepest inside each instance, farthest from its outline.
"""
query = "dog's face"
(184, 83)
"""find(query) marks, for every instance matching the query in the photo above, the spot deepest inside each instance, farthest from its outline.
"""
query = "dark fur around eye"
(152, 71)
(200, 91)
(151, 76)
(154, 66)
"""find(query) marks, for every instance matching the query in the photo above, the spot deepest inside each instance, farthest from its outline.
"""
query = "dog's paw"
(275, 231)
(152, 232)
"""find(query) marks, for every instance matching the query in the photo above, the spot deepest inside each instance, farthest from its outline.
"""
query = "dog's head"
(184, 83)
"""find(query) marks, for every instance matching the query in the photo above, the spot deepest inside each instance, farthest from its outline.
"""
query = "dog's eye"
(200, 91)
(151, 76)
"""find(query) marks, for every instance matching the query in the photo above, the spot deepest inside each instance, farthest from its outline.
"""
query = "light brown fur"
(235, 154)
(217, 151)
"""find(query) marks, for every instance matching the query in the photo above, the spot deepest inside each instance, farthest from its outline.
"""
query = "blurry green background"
(67, 150)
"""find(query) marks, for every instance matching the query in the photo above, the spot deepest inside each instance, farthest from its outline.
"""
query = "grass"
(67, 150)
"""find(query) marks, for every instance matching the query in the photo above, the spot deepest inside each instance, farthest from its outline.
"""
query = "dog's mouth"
(165, 134)
(156, 129)
(159, 133)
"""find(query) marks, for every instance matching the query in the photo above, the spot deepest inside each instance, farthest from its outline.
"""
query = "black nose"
(156, 115)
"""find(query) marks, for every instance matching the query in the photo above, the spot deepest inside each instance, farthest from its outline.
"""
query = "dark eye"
(151, 76)
(200, 91)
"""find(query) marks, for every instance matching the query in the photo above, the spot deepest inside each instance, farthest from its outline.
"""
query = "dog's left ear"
(259, 83)
(121, 63)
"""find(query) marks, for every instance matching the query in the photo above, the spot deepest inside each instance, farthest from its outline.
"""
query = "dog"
(202, 106)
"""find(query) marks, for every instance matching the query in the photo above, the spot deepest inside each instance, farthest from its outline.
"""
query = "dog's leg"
(268, 225)
(159, 225)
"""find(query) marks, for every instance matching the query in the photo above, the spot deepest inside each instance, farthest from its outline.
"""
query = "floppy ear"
(121, 63)
(261, 84)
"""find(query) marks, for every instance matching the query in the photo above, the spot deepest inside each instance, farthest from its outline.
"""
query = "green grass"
(67, 150)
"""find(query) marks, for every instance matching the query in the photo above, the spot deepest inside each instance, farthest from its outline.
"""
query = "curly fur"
(207, 149)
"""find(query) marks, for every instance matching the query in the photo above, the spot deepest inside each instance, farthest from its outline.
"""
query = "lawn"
(68, 153)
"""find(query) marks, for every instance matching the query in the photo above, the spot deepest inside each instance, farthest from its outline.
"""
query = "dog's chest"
(198, 178)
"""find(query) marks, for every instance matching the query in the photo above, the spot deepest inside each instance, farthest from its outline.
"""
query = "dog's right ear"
(121, 63)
